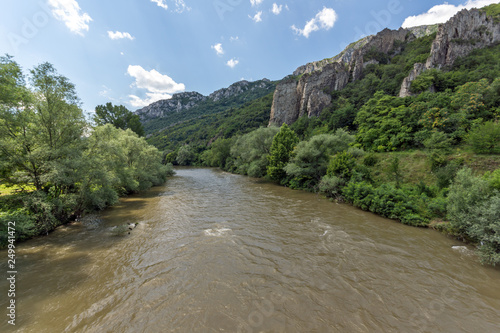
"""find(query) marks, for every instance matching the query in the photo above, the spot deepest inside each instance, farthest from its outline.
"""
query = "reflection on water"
(215, 252)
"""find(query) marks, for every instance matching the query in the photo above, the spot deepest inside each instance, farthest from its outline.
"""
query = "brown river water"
(216, 252)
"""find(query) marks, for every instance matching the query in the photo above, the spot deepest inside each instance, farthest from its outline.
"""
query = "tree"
(281, 150)
(310, 161)
(119, 116)
(250, 152)
(41, 136)
(185, 155)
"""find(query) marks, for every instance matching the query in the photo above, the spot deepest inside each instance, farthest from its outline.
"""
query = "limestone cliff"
(466, 31)
(308, 90)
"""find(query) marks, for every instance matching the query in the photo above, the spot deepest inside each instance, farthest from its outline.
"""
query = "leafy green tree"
(485, 139)
(250, 152)
(473, 210)
(341, 165)
(219, 153)
(185, 155)
(41, 139)
(119, 116)
(281, 151)
(310, 161)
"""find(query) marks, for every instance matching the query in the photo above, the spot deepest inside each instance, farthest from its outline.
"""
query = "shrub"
(370, 160)
(485, 139)
(331, 186)
(341, 165)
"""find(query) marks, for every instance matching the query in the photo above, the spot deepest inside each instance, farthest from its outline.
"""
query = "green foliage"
(492, 10)
(473, 210)
(46, 145)
(226, 124)
(387, 201)
(118, 116)
(209, 108)
(438, 140)
(280, 153)
(311, 158)
(331, 186)
(185, 155)
(250, 152)
(370, 160)
(485, 139)
(395, 171)
(218, 154)
(341, 165)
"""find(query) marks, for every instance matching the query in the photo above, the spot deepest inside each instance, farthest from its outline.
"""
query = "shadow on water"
(64, 255)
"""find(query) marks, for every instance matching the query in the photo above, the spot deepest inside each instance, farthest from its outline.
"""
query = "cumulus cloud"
(218, 49)
(158, 86)
(160, 3)
(257, 17)
(256, 2)
(277, 9)
(120, 35)
(325, 20)
(70, 13)
(442, 13)
(232, 63)
(138, 102)
(234, 39)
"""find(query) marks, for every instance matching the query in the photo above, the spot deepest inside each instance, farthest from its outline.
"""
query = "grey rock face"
(309, 93)
(466, 31)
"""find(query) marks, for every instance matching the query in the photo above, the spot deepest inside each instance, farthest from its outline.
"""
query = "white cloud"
(151, 98)
(218, 49)
(69, 12)
(257, 18)
(159, 86)
(442, 13)
(277, 9)
(181, 6)
(160, 3)
(120, 35)
(325, 20)
(256, 2)
(232, 63)
(234, 39)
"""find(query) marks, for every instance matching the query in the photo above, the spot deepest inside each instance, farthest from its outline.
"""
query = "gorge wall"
(308, 90)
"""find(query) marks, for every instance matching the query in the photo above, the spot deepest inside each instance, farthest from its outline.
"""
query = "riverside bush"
(385, 200)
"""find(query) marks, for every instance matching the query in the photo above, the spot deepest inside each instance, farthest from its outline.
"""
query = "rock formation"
(466, 31)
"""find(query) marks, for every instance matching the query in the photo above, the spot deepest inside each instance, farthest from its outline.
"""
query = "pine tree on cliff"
(281, 151)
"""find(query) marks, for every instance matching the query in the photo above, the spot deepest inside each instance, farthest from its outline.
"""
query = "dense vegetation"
(54, 165)
(414, 159)
(200, 132)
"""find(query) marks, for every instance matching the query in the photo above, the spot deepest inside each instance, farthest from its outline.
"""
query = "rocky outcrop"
(184, 101)
(308, 91)
(179, 102)
(418, 68)
(466, 31)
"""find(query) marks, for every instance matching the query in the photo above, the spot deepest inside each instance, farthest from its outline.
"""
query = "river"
(216, 252)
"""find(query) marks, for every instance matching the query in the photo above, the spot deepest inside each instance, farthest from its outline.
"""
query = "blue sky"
(133, 52)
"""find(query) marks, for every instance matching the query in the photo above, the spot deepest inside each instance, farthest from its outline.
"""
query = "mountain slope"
(190, 105)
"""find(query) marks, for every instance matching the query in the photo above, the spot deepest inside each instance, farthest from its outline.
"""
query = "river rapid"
(216, 252)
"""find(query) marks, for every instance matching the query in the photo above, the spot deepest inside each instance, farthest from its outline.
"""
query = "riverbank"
(31, 213)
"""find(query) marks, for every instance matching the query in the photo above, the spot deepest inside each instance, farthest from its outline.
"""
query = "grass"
(416, 165)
